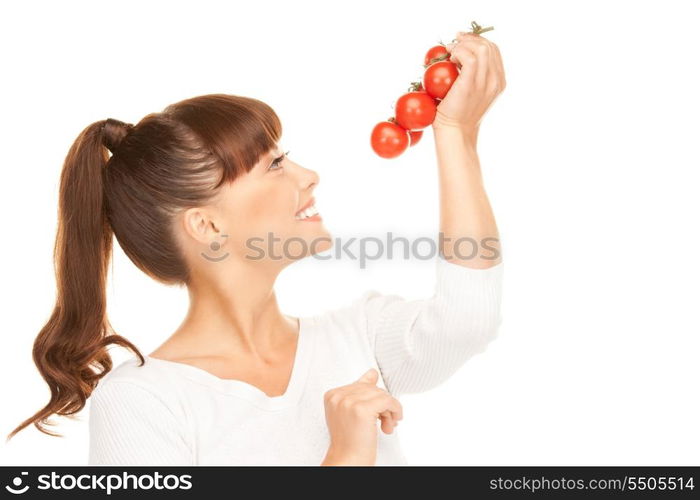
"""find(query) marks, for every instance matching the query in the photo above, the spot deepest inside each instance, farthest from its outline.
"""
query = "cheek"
(269, 206)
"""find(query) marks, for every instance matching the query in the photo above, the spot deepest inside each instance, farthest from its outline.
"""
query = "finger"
(483, 52)
(379, 403)
(499, 67)
(481, 48)
(496, 64)
(493, 82)
(386, 414)
(468, 35)
(367, 381)
(462, 34)
(388, 422)
(370, 376)
(385, 402)
(465, 59)
(393, 416)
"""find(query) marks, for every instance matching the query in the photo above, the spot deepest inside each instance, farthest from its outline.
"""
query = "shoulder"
(132, 381)
(135, 418)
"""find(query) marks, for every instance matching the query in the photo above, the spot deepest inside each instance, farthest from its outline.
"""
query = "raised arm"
(465, 212)
(420, 343)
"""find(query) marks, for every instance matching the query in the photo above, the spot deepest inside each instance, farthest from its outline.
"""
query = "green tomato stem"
(478, 29)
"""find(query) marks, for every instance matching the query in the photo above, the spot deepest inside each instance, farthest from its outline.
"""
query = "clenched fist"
(480, 81)
(351, 415)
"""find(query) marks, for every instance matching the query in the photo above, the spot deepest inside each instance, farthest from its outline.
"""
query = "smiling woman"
(186, 191)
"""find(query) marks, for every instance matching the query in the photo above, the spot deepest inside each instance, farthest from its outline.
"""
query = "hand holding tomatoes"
(481, 79)
(460, 82)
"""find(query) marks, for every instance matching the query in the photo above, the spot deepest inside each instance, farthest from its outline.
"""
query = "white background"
(590, 159)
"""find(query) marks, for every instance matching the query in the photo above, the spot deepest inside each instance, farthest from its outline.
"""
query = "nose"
(307, 178)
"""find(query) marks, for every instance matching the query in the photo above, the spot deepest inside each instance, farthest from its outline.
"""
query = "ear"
(200, 225)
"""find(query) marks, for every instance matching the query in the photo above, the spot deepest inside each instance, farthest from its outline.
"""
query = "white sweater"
(170, 413)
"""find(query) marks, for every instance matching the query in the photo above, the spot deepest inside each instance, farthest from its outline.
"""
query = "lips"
(308, 204)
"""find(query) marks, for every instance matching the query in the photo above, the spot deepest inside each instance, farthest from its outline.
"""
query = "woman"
(185, 192)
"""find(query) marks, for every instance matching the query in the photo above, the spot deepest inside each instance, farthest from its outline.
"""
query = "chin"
(320, 241)
(322, 245)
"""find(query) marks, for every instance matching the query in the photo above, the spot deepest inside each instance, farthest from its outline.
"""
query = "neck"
(233, 309)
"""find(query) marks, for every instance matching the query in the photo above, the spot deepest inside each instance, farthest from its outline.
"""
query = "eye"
(277, 162)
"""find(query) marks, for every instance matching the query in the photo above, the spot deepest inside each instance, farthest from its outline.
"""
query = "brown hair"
(169, 161)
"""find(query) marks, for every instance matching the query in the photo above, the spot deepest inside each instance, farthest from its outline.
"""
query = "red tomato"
(415, 110)
(439, 77)
(415, 136)
(433, 52)
(389, 140)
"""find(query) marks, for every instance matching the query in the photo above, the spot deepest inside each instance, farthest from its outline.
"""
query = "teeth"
(309, 212)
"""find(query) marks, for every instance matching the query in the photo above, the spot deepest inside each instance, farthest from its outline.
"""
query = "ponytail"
(169, 161)
(75, 338)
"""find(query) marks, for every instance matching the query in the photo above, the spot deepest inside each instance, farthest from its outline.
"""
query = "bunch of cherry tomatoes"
(416, 109)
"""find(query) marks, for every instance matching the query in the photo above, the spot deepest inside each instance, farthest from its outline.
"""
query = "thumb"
(369, 376)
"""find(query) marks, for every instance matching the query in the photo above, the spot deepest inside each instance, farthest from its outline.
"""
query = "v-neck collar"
(249, 392)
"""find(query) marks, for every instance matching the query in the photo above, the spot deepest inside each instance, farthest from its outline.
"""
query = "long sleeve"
(130, 425)
(418, 344)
